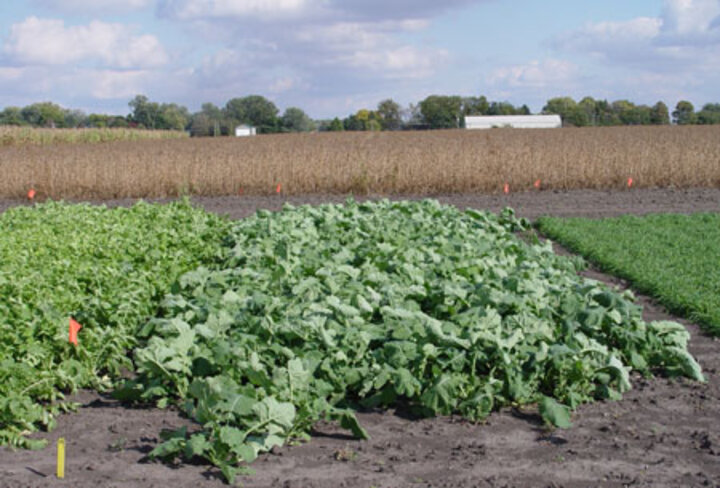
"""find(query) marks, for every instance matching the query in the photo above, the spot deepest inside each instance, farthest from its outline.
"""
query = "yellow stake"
(61, 458)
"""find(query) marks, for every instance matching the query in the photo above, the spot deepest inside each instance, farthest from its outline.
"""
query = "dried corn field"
(379, 163)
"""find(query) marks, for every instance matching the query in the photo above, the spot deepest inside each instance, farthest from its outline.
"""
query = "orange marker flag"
(31, 193)
(279, 188)
(74, 329)
(537, 184)
(506, 188)
(630, 182)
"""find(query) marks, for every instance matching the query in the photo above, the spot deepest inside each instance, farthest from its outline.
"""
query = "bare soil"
(663, 433)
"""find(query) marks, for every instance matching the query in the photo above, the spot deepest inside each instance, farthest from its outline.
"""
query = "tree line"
(434, 112)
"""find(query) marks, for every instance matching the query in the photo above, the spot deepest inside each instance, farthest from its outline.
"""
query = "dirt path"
(664, 433)
(586, 203)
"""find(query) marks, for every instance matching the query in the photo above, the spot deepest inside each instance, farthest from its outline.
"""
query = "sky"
(333, 57)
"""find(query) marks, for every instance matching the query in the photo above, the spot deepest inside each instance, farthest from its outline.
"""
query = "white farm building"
(244, 131)
(514, 121)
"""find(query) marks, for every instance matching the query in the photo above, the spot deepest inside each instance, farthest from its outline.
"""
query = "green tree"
(118, 121)
(441, 112)
(12, 116)
(684, 113)
(144, 112)
(201, 125)
(218, 124)
(710, 114)
(253, 110)
(659, 114)
(588, 107)
(475, 106)
(606, 116)
(389, 115)
(74, 118)
(353, 123)
(173, 117)
(44, 114)
(503, 108)
(565, 107)
(336, 125)
(296, 120)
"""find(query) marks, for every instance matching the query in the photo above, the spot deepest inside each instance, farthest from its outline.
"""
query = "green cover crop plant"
(107, 268)
(315, 311)
(673, 258)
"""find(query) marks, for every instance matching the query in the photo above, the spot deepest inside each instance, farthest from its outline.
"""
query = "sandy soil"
(664, 433)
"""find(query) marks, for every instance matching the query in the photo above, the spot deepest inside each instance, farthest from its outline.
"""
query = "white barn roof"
(515, 121)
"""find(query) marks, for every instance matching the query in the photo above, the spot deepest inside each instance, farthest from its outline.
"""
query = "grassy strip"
(21, 136)
(673, 258)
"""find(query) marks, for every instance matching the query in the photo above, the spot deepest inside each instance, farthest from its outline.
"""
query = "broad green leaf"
(555, 413)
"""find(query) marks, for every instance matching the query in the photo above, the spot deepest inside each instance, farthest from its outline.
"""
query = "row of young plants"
(673, 258)
(106, 268)
(314, 312)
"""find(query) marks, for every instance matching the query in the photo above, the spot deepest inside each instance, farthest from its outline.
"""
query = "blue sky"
(333, 57)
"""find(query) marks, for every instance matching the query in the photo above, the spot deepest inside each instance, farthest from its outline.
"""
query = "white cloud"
(113, 84)
(346, 10)
(222, 9)
(369, 48)
(612, 39)
(25, 85)
(84, 6)
(535, 74)
(685, 36)
(690, 17)
(282, 85)
(36, 41)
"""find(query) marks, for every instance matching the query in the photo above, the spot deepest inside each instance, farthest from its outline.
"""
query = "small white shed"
(244, 131)
(514, 121)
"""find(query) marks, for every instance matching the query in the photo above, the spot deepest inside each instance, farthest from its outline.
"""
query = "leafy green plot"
(316, 310)
(107, 268)
(675, 258)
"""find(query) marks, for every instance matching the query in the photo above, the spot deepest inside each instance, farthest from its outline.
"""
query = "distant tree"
(441, 112)
(336, 125)
(98, 120)
(684, 113)
(12, 116)
(173, 117)
(659, 114)
(504, 108)
(413, 118)
(145, 114)
(588, 107)
(217, 123)
(565, 107)
(74, 118)
(606, 116)
(254, 110)
(44, 114)
(118, 121)
(631, 114)
(710, 114)
(296, 120)
(352, 123)
(475, 106)
(389, 114)
(201, 125)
